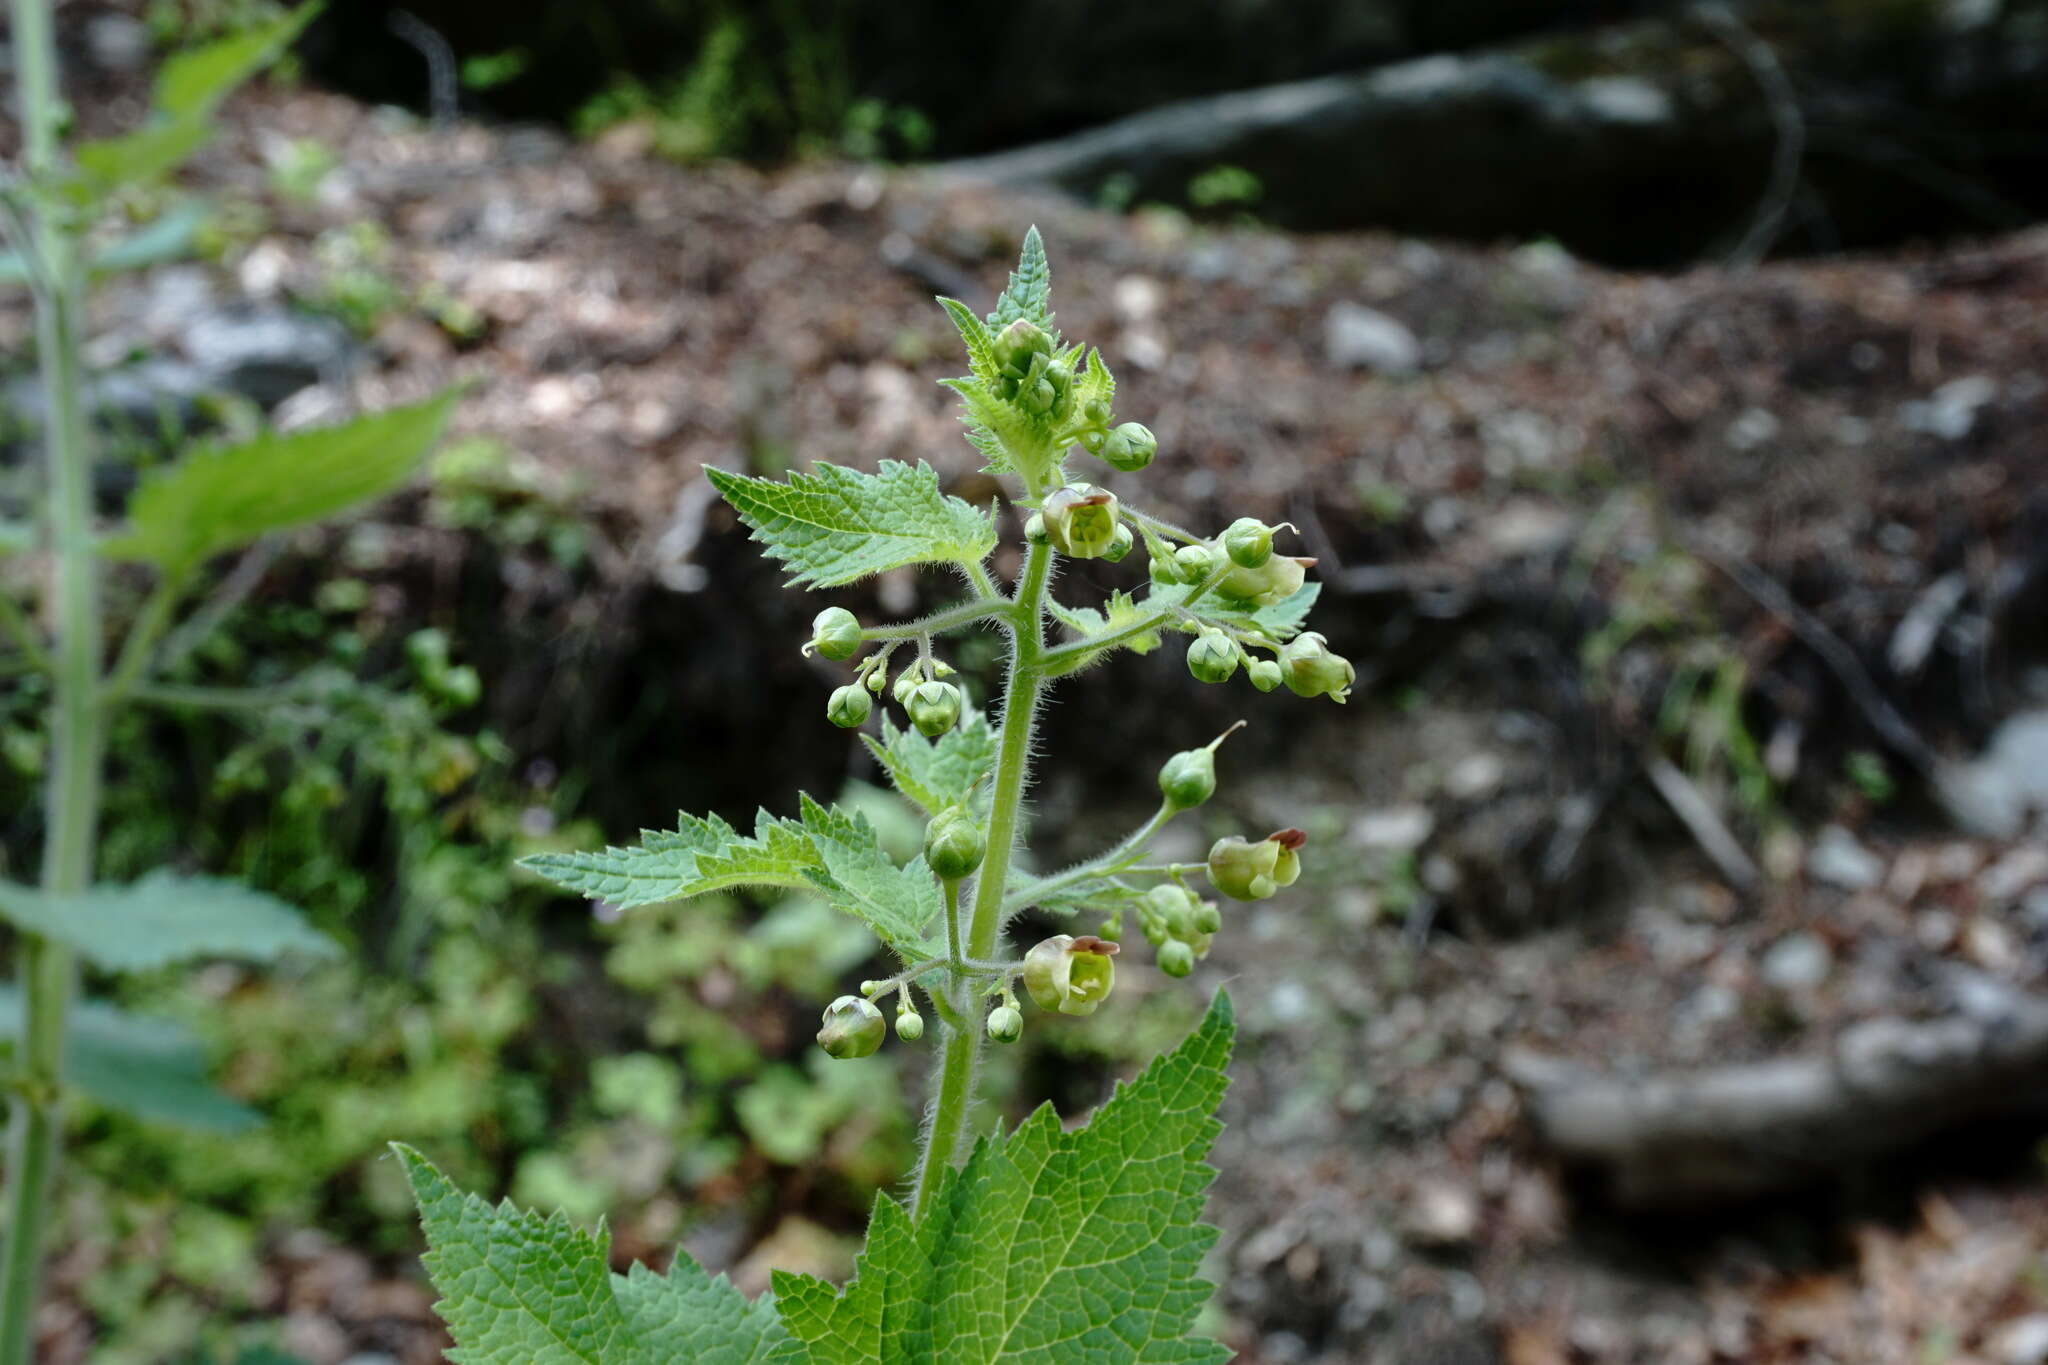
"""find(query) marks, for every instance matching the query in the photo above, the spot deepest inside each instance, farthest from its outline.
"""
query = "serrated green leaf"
(1094, 383)
(1281, 621)
(223, 496)
(936, 773)
(981, 353)
(837, 525)
(520, 1289)
(1116, 614)
(1030, 291)
(192, 82)
(165, 918)
(150, 1068)
(827, 850)
(1048, 1246)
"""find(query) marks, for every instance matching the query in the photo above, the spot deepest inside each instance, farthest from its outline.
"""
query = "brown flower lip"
(1088, 943)
(1289, 839)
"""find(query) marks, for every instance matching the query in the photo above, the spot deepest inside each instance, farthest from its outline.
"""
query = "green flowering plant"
(1043, 1244)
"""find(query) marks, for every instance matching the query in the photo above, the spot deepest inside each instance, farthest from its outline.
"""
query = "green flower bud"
(1034, 531)
(1005, 1024)
(1095, 412)
(1311, 670)
(1265, 674)
(1248, 542)
(1130, 447)
(909, 1023)
(853, 1027)
(1206, 918)
(1081, 520)
(1071, 975)
(1164, 570)
(1276, 580)
(876, 679)
(1196, 562)
(835, 633)
(1188, 778)
(1038, 398)
(905, 687)
(934, 708)
(1176, 958)
(1212, 658)
(1180, 917)
(1242, 870)
(1016, 344)
(1121, 546)
(849, 706)
(954, 843)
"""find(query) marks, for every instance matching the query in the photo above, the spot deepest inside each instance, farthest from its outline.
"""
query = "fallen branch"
(1695, 1137)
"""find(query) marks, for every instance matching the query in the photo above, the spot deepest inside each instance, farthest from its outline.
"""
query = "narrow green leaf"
(192, 82)
(936, 773)
(1030, 291)
(150, 1068)
(169, 238)
(980, 346)
(837, 525)
(1048, 1246)
(220, 497)
(138, 158)
(826, 850)
(165, 918)
(520, 1289)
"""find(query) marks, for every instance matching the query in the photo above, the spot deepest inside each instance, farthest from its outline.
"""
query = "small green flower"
(1130, 447)
(1311, 670)
(1212, 658)
(1246, 871)
(1265, 674)
(934, 708)
(1248, 542)
(1195, 563)
(1176, 958)
(954, 843)
(1071, 975)
(849, 706)
(909, 1023)
(1276, 580)
(1121, 546)
(1005, 1024)
(1081, 520)
(835, 633)
(853, 1027)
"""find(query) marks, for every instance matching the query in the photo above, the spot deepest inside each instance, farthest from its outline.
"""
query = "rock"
(1360, 338)
(264, 353)
(2023, 1341)
(1993, 794)
(1836, 859)
(1950, 413)
(1441, 1215)
(1400, 829)
(1797, 961)
(2020, 870)
(117, 42)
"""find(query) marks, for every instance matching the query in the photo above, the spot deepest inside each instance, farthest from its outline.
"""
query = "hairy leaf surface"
(521, 1289)
(936, 773)
(832, 852)
(1029, 295)
(1050, 1247)
(837, 525)
(165, 918)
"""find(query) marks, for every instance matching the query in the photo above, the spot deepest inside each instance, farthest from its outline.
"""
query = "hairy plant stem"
(1118, 859)
(953, 1092)
(47, 973)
